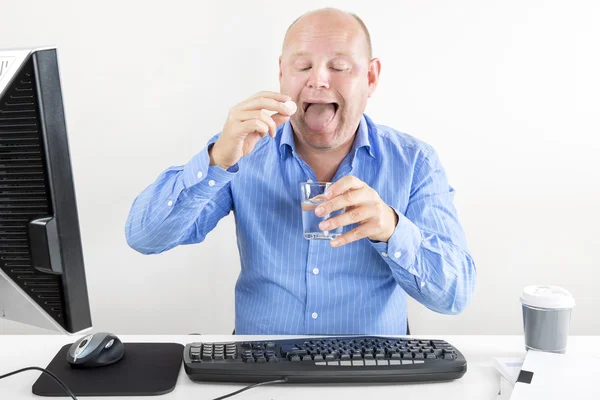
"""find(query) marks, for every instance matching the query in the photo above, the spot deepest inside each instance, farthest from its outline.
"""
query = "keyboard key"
(195, 352)
(288, 348)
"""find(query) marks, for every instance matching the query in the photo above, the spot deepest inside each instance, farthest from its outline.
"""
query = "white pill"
(291, 106)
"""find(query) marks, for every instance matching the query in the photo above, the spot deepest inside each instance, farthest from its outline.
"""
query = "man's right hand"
(247, 123)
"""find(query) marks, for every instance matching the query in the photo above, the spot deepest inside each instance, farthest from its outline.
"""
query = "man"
(401, 231)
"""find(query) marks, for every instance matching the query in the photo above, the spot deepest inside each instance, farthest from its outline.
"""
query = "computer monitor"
(42, 274)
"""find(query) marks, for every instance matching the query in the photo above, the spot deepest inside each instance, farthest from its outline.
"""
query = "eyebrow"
(305, 53)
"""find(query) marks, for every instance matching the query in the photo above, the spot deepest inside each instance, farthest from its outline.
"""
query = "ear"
(373, 75)
(280, 72)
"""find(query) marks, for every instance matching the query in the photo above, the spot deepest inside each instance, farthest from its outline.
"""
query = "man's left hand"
(363, 206)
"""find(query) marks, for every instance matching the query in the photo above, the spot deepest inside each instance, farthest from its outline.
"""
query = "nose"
(318, 79)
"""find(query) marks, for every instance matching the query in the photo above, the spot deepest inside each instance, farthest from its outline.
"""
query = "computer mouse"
(96, 350)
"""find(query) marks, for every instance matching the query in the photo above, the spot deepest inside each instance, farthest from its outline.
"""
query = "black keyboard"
(362, 359)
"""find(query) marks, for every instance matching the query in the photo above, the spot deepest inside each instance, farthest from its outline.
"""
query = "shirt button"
(383, 253)
(397, 254)
(211, 183)
(315, 315)
(422, 284)
(309, 180)
(199, 174)
(170, 203)
(316, 271)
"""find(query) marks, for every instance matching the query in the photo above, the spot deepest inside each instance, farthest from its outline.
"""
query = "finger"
(343, 185)
(355, 234)
(350, 198)
(280, 119)
(252, 125)
(272, 95)
(285, 108)
(260, 115)
(354, 216)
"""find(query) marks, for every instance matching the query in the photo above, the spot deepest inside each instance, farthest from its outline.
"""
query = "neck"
(323, 162)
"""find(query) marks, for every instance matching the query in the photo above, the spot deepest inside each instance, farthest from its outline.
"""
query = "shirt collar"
(361, 138)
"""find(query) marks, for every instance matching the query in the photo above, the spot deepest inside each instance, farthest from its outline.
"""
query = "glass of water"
(313, 194)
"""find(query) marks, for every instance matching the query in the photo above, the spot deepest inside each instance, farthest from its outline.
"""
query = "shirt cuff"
(402, 247)
(204, 180)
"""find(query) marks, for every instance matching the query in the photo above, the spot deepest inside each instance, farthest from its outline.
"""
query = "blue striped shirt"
(290, 285)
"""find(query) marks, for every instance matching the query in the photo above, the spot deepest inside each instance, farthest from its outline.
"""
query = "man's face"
(325, 69)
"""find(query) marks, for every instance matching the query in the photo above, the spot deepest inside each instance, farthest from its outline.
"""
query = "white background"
(508, 92)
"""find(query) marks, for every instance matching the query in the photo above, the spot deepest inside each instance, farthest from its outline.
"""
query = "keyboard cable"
(250, 387)
(75, 398)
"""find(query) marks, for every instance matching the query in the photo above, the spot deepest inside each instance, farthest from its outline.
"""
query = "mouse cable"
(75, 398)
(250, 387)
(46, 372)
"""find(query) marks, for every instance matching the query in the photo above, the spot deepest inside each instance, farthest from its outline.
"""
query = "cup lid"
(545, 296)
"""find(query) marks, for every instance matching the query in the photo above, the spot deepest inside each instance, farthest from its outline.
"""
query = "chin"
(321, 140)
(326, 139)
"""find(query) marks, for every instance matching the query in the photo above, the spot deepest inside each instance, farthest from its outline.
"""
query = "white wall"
(506, 91)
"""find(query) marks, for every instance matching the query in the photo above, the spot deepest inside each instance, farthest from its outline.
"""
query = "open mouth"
(319, 115)
(306, 105)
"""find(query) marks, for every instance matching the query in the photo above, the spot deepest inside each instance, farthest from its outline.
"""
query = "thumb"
(280, 118)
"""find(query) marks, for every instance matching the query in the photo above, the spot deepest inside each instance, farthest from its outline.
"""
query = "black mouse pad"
(146, 369)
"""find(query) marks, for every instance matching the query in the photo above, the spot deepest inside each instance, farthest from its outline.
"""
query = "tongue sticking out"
(319, 115)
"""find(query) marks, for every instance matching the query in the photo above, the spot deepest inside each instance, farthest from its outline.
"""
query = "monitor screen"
(42, 275)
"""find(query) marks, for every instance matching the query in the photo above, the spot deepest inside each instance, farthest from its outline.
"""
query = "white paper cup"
(546, 317)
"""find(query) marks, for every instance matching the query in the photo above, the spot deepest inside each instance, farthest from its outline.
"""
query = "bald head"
(330, 18)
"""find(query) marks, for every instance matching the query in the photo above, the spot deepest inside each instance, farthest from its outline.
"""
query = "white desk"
(481, 381)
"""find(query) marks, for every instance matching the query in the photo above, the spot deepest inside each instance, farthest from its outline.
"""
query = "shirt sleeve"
(181, 206)
(428, 253)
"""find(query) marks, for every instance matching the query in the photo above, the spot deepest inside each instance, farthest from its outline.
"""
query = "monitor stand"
(146, 369)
